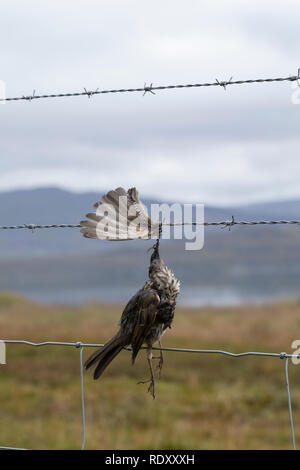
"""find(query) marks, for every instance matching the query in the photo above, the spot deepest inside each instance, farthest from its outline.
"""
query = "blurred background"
(246, 264)
(236, 151)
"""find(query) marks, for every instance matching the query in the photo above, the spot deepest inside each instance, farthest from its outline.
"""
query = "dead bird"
(150, 311)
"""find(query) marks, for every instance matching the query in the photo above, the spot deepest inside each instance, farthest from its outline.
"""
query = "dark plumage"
(144, 320)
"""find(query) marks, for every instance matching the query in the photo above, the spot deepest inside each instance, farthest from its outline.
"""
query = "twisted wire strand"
(150, 89)
(224, 223)
(34, 226)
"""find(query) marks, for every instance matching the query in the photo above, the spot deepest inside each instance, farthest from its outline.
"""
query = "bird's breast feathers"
(164, 280)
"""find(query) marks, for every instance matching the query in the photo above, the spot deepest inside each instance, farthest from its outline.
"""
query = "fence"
(222, 224)
(81, 346)
(150, 88)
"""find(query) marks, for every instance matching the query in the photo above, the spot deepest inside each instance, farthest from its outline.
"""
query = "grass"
(203, 401)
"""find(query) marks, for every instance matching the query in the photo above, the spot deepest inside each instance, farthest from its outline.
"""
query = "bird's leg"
(161, 360)
(151, 388)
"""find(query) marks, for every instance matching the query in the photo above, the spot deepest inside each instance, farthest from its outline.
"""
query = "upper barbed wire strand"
(151, 88)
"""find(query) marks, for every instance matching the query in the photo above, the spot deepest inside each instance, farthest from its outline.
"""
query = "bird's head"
(155, 252)
(155, 261)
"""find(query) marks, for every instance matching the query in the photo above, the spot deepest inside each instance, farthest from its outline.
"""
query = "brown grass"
(203, 401)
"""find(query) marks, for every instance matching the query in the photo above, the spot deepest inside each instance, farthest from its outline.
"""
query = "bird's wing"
(139, 317)
(119, 215)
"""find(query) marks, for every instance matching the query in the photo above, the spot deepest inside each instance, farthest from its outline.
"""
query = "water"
(189, 296)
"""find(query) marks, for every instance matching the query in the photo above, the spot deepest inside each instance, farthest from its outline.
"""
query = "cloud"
(202, 144)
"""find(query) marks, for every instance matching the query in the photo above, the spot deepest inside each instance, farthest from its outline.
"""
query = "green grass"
(202, 401)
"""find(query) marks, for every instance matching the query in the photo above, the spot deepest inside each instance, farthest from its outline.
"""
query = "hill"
(246, 263)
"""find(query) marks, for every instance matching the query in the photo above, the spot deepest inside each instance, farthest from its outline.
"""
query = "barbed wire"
(223, 224)
(79, 345)
(150, 88)
(34, 226)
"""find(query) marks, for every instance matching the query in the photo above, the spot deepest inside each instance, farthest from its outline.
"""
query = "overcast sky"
(202, 145)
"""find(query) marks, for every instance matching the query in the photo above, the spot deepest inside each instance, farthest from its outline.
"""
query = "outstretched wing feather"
(119, 227)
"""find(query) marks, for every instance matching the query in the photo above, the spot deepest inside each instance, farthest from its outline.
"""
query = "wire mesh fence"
(79, 345)
(223, 224)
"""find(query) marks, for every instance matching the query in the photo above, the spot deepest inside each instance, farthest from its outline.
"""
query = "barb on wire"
(151, 88)
(90, 93)
(80, 345)
(28, 97)
(30, 227)
(224, 84)
(230, 223)
(148, 89)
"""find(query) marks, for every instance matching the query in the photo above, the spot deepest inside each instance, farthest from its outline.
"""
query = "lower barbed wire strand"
(227, 223)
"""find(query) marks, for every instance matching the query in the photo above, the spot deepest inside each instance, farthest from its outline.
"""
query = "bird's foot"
(151, 388)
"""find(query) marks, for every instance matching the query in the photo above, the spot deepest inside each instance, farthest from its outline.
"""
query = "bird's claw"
(151, 386)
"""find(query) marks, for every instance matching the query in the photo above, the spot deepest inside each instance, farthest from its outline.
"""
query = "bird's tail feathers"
(105, 355)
